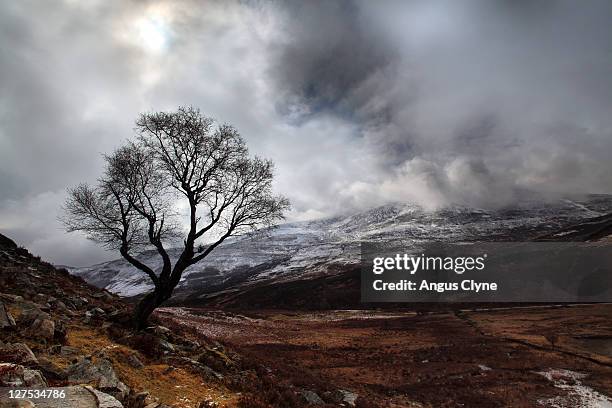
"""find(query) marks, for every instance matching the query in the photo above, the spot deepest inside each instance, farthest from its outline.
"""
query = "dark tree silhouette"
(176, 156)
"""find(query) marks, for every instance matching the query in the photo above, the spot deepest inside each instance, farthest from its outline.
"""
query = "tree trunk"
(145, 307)
(152, 300)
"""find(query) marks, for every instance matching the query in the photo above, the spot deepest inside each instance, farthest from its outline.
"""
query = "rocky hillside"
(59, 331)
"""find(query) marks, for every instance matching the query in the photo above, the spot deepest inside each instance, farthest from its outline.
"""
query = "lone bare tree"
(176, 157)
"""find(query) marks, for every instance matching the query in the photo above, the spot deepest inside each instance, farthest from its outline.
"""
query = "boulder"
(94, 313)
(312, 398)
(51, 370)
(74, 396)
(15, 375)
(348, 397)
(105, 400)
(17, 353)
(100, 373)
(43, 328)
(160, 331)
(146, 343)
(216, 358)
(77, 302)
(194, 365)
(342, 397)
(41, 299)
(6, 402)
(208, 404)
(29, 312)
(68, 351)
(136, 399)
(60, 332)
(134, 361)
(6, 297)
(6, 320)
(77, 396)
(61, 307)
(166, 346)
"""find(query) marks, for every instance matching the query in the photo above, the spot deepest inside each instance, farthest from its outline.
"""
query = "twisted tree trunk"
(145, 307)
(154, 299)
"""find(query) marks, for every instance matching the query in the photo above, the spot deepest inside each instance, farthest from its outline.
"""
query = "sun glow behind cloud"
(150, 31)
(152, 34)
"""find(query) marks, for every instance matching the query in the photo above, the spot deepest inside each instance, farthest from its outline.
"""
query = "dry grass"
(177, 387)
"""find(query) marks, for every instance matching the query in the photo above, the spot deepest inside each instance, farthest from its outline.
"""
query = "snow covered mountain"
(303, 250)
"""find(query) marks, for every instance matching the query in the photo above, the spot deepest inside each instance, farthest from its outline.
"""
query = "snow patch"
(578, 394)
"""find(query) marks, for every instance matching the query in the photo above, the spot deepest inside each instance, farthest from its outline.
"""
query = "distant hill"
(322, 254)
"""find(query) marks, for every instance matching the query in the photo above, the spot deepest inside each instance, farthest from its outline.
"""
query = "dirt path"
(504, 358)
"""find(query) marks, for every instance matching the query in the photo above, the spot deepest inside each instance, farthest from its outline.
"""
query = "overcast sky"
(358, 103)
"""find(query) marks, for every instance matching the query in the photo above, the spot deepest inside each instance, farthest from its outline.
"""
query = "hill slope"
(316, 250)
(57, 330)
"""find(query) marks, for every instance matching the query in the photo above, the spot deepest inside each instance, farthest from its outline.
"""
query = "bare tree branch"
(176, 156)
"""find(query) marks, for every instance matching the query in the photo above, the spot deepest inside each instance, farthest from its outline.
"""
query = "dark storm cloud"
(358, 103)
(491, 96)
(331, 50)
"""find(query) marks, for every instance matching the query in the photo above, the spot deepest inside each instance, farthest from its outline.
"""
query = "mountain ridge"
(307, 249)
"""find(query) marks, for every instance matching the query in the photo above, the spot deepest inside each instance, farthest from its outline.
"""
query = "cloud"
(358, 103)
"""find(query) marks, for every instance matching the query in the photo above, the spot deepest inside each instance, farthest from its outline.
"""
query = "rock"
(59, 332)
(216, 358)
(61, 307)
(100, 373)
(166, 346)
(43, 328)
(27, 309)
(105, 400)
(134, 361)
(74, 396)
(203, 370)
(54, 349)
(348, 397)
(29, 312)
(6, 320)
(103, 295)
(190, 345)
(208, 404)
(14, 375)
(96, 311)
(146, 343)
(312, 398)
(162, 331)
(136, 399)
(68, 351)
(77, 396)
(77, 301)
(6, 402)
(17, 353)
(50, 369)
(6, 297)
(41, 299)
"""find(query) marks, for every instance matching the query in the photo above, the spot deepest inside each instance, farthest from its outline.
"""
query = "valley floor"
(523, 357)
